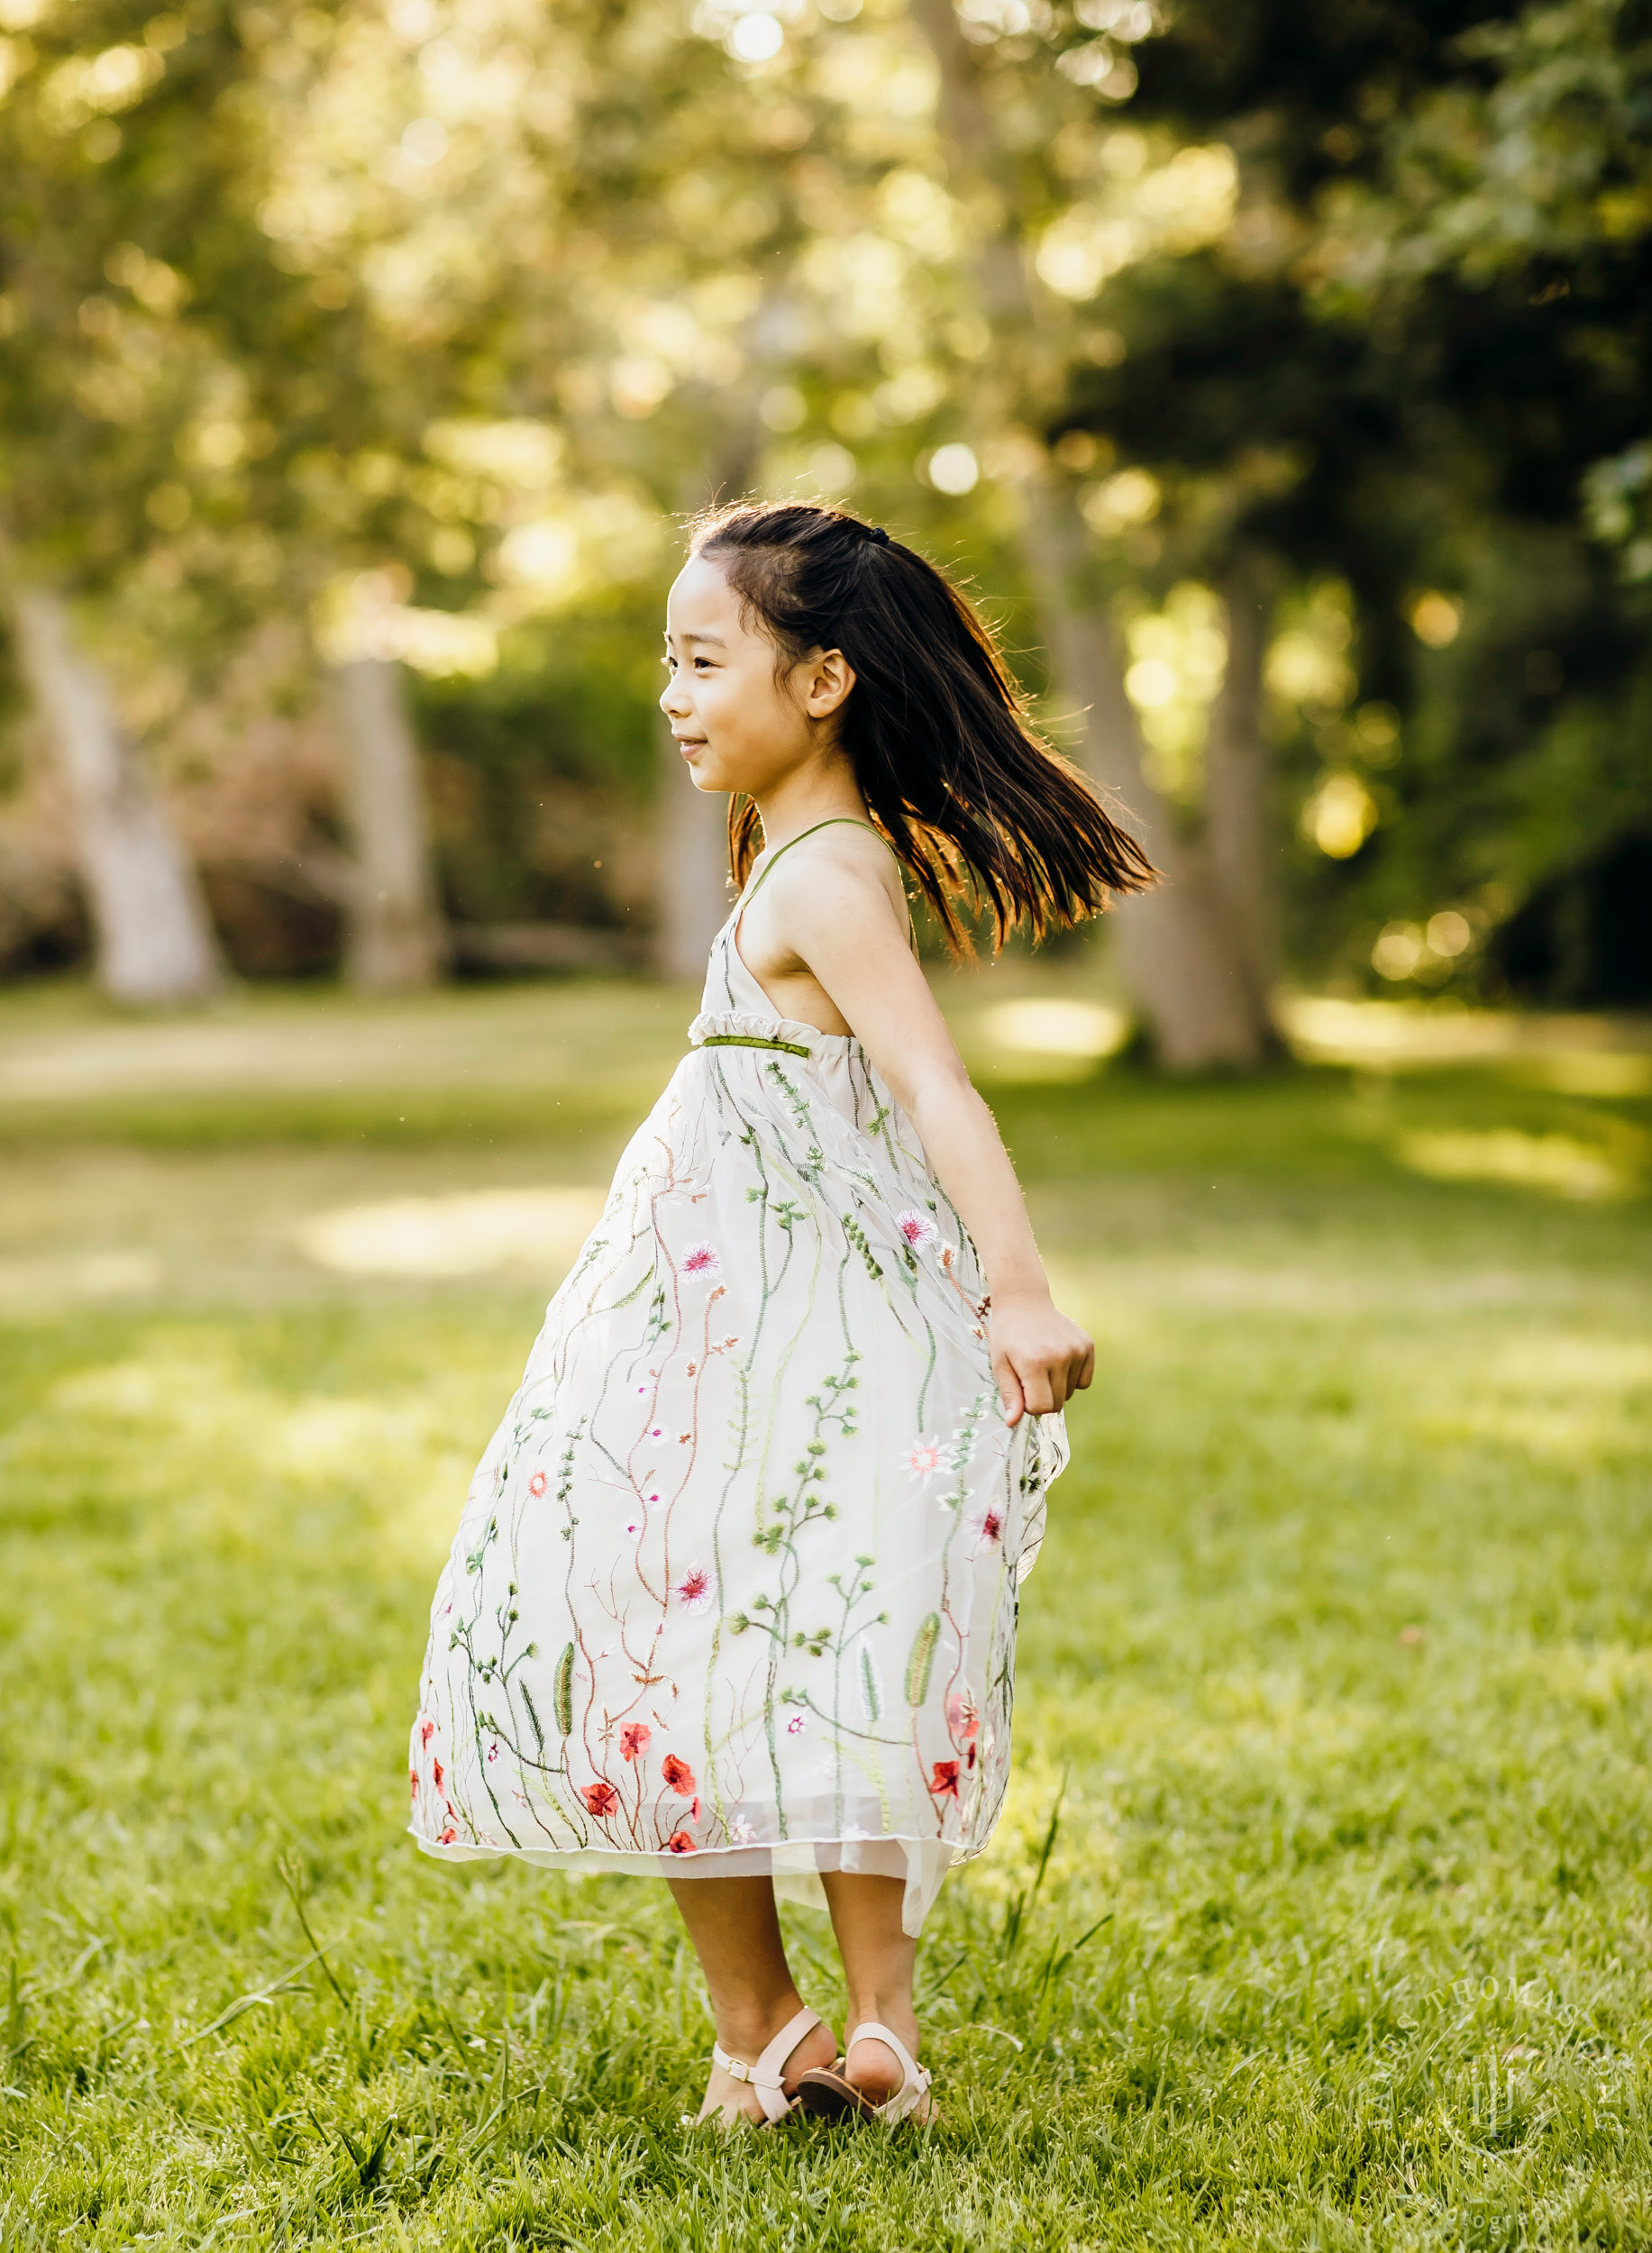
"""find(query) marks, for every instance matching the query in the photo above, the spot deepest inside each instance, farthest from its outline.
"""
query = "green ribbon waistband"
(750, 1040)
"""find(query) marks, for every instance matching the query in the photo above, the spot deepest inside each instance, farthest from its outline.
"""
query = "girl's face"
(744, 721)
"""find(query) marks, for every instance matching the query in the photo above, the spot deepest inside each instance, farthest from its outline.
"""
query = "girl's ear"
(826, 680)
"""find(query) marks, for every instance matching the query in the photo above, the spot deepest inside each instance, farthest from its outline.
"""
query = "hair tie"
(876, 533)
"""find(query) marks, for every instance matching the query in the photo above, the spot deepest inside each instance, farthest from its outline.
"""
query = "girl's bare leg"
(878, 1960)
(736, 1934)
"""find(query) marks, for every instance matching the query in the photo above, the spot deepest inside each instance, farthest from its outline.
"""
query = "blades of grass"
(980, 2026)
(17, 2014)
(249, 2002)
(20, 2002)
(485, 2134)
(1049, 1847)
(291, 1873)
(335, 2133)
(1054, 1966)
(367, 2174)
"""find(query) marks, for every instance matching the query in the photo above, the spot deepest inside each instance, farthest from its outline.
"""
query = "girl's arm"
(840, 921)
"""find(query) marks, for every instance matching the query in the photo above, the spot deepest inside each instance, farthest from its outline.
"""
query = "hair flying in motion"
(971, 798)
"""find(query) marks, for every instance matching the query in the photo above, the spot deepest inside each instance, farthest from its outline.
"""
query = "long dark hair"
(975, 804)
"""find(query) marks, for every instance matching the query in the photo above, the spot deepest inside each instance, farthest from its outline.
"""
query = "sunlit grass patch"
(471, 1232)
(1560, 1165)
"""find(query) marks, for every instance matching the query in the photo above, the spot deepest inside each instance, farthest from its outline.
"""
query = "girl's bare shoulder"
(841, 866)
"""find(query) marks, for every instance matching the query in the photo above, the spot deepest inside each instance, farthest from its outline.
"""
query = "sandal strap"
(915, 2078)
(768, 2072)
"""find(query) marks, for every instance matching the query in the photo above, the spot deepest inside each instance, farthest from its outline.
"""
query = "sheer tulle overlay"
(733, 1591)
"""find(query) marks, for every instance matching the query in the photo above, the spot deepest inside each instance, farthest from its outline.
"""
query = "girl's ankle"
(746, 2031)
(896, 2011)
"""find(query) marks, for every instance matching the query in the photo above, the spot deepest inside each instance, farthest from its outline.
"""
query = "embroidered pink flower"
(693, 1591)
(634, 1739)
(701, 1259)
(797, 1725)
(989, 1526)
(694, 1809)
(447, 1836)
(536, 1484)
(963, 1714)
(493, 1751)
(923, 1460)
(600, 1799)
(677, 1773)
(437, 1772)
(916, 1227)
(427, 1730)
(680, 1842)
(412, 1780)
(741, 1831)
(943, 1783)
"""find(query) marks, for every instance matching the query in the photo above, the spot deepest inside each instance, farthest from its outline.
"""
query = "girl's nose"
(672, 698)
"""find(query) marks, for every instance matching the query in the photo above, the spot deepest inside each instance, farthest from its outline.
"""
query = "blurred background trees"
(1280, 372)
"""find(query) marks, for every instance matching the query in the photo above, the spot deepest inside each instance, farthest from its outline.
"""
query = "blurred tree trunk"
(1179, 948)
(396, 942)
(155, 942)
(1240, 814)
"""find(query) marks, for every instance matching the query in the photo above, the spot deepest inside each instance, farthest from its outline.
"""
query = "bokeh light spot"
(756, 38)
(953, 470)
(424, 142)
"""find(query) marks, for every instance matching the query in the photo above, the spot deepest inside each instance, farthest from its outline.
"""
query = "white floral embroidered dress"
(733, 1591)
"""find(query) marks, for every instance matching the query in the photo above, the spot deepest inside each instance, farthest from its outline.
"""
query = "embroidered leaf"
(869, 1686)
(564, 1692)
(922, 1659)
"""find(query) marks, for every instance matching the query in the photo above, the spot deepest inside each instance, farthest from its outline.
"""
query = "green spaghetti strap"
(853, 822)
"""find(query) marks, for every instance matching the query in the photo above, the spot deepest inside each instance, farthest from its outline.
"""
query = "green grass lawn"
(1321, 1912)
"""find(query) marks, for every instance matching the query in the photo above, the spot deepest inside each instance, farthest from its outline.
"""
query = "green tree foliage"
(1414, 369)
(420, 327)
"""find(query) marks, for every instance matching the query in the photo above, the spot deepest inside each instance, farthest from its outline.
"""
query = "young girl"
(732, 1599)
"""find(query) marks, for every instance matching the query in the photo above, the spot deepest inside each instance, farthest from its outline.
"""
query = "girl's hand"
(1039, 1358)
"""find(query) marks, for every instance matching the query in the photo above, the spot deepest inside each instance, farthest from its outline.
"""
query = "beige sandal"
(767, 2076)
(828, 2093)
